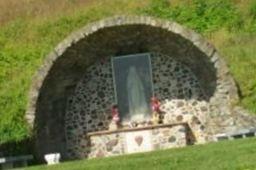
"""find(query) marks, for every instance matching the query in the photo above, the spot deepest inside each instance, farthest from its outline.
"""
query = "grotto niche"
(72, 94)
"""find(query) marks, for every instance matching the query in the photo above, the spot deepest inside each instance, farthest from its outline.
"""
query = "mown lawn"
(229, 155)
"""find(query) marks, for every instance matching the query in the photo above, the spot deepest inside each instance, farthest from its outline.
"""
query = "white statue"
(138, 107)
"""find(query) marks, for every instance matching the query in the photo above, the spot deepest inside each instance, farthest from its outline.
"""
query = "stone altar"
(141, 139)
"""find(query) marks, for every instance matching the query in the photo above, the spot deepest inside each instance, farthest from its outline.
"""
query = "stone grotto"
(125, 61)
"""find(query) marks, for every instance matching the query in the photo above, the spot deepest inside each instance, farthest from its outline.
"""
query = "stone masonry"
(89, 113)
(114, 144)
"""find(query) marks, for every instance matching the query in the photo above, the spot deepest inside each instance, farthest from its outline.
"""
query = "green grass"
(240, 54)
(229, 155)
(27, 39)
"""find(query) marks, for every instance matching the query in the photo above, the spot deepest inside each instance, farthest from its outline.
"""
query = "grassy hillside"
(29, 29)
(235, 155)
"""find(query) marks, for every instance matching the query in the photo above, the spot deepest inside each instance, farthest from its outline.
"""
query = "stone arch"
(56, 80)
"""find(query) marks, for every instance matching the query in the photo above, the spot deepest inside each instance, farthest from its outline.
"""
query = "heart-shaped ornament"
(138, 140)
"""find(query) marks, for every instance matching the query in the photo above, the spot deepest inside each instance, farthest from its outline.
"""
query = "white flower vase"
(52, 158)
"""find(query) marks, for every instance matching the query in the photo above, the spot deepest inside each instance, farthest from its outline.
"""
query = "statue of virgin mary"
(138, 107)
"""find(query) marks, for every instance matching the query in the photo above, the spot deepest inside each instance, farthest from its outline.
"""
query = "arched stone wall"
(64, 67)
(89, 108)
